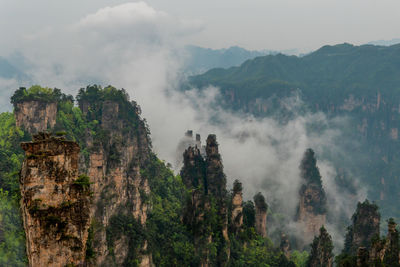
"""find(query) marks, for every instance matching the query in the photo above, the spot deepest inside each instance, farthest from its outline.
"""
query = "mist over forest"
(126, 141)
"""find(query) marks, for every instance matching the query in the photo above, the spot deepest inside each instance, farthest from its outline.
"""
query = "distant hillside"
(386, 42)
(329, 74)
(360, 82)
(202, 59)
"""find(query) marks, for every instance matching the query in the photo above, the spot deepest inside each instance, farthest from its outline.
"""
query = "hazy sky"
(253, 24)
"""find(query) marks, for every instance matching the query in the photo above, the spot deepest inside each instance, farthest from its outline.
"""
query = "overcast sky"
(253, 24)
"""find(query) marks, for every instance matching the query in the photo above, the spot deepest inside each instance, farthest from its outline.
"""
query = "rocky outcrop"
(365, 226)
(237, 208)
(311, 212)
(55, 202)
(115, 150)
(321, 250)
(35, 116)
(119, 189)
(205, 179)
(261, 208)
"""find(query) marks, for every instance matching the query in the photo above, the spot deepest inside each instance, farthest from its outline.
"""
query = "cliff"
(55, 202)
(35, 116)
(118, 148)
(115, 149)
(311, 212)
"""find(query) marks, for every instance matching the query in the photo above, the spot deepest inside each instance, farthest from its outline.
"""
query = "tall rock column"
(216, 187)
(55, 202)
(237, 208)
(312, 205)
(261, 214)
(206, 210)
(119, 189)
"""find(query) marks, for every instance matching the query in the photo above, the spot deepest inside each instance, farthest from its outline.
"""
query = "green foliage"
(237, 186)
(83, 181)
(38, 93)
(128, 226)
(257, 252)
(12, 236)
(321, 249)
(260, 203)
(346, 260)
(249, 214)
(309, 170)
(169, 240)
(299, 258)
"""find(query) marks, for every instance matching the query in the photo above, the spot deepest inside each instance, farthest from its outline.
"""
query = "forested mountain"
(360, 83)
(201, 59)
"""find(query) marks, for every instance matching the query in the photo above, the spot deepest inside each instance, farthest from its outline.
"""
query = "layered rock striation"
(119, 148)
(35, 116)
(55, 202)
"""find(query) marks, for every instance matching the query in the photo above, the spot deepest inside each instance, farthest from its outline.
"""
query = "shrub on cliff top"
(38, 93)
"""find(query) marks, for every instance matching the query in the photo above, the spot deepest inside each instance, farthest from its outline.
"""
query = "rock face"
(321, 250)
(55, 202)
(237, 208)
(312, 207)
(205, 179)
(115, 150)
(119, 190)
(35, 116)
(261, 215)
(365, 226)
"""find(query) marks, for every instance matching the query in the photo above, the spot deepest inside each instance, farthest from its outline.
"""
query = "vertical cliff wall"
(119, 147)
(35, 116)
(115, 148)
(55, 202)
